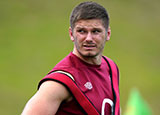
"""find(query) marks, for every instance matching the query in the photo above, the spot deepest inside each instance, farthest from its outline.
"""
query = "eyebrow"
(80, 27)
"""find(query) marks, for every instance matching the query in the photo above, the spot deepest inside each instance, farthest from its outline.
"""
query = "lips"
(89, 46)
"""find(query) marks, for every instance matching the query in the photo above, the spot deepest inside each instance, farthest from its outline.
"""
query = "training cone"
(136, 105)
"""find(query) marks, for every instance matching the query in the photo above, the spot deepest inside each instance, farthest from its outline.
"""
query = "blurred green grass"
(34, 37)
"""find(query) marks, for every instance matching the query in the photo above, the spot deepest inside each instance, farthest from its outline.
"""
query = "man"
(84, 82)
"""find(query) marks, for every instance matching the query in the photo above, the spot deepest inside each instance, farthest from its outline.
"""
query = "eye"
(81, 31)
(96, 31)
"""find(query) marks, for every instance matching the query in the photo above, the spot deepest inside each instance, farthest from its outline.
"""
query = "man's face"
(89, 37)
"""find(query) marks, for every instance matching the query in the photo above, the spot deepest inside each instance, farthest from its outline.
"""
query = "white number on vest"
(110, 102)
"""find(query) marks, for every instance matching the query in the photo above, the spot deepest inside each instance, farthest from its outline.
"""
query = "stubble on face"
(93, 47)
(88, 54)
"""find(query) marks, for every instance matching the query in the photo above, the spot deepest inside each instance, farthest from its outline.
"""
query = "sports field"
(34, 37)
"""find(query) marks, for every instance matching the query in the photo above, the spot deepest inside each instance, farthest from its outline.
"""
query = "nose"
(89, 37)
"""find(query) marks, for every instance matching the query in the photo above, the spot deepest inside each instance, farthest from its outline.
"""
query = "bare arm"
(47, 99)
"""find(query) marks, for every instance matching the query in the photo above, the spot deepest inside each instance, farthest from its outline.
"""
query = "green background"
(34, 37)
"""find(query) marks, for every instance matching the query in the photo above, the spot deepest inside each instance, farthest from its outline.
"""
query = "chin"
(89, 54)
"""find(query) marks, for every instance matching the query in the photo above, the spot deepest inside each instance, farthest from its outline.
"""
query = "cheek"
(101, 40)
(79, 38)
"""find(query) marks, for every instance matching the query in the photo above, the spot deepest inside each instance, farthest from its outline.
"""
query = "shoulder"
(54, 91)
(65, 62)
(113, 67)
(109, 61)
(47, 99)
(69, 64)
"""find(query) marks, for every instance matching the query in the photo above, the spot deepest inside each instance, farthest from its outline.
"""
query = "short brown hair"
(89, 10)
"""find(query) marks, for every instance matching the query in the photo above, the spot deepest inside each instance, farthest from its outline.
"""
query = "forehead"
(89, 23)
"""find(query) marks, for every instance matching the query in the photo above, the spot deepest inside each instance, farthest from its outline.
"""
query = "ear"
(108, 33)
(71, 34)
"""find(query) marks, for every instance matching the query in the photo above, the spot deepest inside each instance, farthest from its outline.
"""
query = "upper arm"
(47, 99)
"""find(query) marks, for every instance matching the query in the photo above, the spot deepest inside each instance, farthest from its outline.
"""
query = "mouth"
(89, 46)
